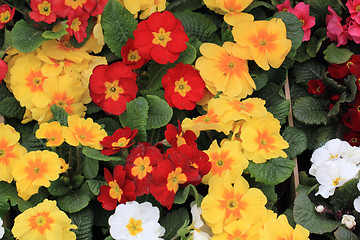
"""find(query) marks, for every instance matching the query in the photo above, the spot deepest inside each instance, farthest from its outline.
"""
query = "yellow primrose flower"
(209, 121)
(261, 139)
(43, 222)
(134, 6)
(265, 40)
(10, 151)
(281, 229)
(157, 6)
(238, 229)
(232, 10)
(83, 131)
(225, 159)
(227, 202)
(224, 71)
(35, 169)
(52, 132)
(231, 109)
(27, 82)
(96, 41)
(64, 166)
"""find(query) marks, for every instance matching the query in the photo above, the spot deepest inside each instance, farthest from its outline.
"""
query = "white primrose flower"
(2, 230)
(134, 221)
(333, 175)
(348, 221)
(357, 200)
(201, 230)
(331, 151)
(352, 154)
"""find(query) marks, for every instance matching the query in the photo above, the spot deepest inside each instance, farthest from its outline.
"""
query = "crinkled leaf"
(84, 220)
(350, 82)
(324, 134)
(110, 124)
(306, 180)
(307, 217)
(273, 171)
(173, 221)
(96, 154)
(226, 35)
(76, 200)
(92, 108)
(337, 55)
(76, 181)
(55, 35)
(94, 186)
(315, 42)
(58, 188)
(9, 191)
(344, 196)
(26, 38)
(118, 25)
(136, 116)
(183, 193)
(280, 111)
(91, 168)
(180, 5)
(319, 8)
(311, 110)
(297, 141)
(305, 71)
(4, 205)
(159, 93)
(342, 233)
(301, 54)
(256, 4)
(160, 112)
(260, 78)
(10, 108)
(333, 83)
(60, 115)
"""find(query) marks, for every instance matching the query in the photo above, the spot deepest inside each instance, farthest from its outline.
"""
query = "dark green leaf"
(181, 5)
(110, 124)
(311, 69)
(311, 110)
(344, 196)
(324, 134)
(337, 55)
(75, 201)
(301, 54)
(307, 217)
(92, 108)
(84, 221)
(160, 112)
(136, 116)
(342, 233)
(315, 42)
(260, 78)
(256, 4)
(306, 180)
(350, 82)
(173, 221)
(10, 108)
(60, 115)
(96, 154)
(183, 193)
(273, 171)
(118, 25)
(76, 181)
(94, 186)
(319, 8)
(26, 38)
(333, 83)
(91, 168)
(269, 192)
(9, 191)
(280, 111)
(297, 141)
(4, 205)
(58, 188)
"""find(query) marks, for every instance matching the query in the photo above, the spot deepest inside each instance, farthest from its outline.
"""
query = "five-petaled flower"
(122, 138)
(6, 15)
(42, 11)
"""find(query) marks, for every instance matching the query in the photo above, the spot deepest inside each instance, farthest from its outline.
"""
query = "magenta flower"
(335, 31)
(284, 7)
(354, 8)
(354, 31)
(301, 11)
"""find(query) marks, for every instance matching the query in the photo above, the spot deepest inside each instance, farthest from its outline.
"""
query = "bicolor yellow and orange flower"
(261, 139)
(227, 159)
(228, 201)
(10, 151)
(264, 42)
(52, 132)
(42, 222)
(223, 70)
(238, 229)
(35, 169)
(83, 131)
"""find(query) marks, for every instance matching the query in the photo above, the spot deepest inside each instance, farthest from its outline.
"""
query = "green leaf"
(84, 220)
(76, 181)
(55, 35)
(197, 25)
(226, 35)
(297, 141)
(273, 171)
(333, 83)
(110, 124)
(160, 112)
(311, 110)
(319, 8)
(26, 38)
(92, 108)
(173, 221)
(59, 114)
(324, 134)
(305, 71)
(96, 154)
(337, 55)
(180, 5)
(118, 25)
(281, 111)
(315, 42)
(350, 83)
(183, 193)
(306, 180)
(256, 4)
(301, 54)
(307, 217)
(94, 186)
(7, 41)
(294, 30)
(58, 188)
(342, 233)
(344, 196)
(9, 191)
(136, 116)
(10, 108)
(76, 200)
(91, 168)
(260, 78)
(269, 192)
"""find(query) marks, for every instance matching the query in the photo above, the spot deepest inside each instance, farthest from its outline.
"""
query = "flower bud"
(348, 221)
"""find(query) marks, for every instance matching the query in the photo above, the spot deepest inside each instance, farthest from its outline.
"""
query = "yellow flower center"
(34, 81)
(115, 191)
(75, 3)
(174, 179)
(232, 64)
(44, 8)
(161, 37)
(133, 56)
(263, 142)
(142, 167)
(302, 22)
(36, 170)
(75, 25)
(207, 119)
(333, 156)
(220, 162)
(353, 140)
(121, 142)
(82, 136)
(263, 42)
(134, 226)
(41, 222)
(180, 140)
(5, 17)
(232, 204)
(52, 139)
(2, 152)
(113, 90)
(182, 87)
(358, 8)
(61, 103)
(336, 181)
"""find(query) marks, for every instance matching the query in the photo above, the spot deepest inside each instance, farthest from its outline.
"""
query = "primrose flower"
(122, 138)
(41, 11)
(42, 222)
(35, 169)
(77, 22)
(6, 15)
(265, 41)
(334, 30)
(284, 7)
(157, 6)
(52, 132)
(201, 231)
(136, 221)
(83, 131)
(223, 70)
(135, 6)
(131, 56)
(227, 202)
(353, 6)
(348, 221)
(238, 229)
(176, 137)
(261, 139)
(301, 11)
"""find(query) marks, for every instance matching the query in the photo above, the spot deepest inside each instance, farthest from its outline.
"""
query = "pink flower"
(335, 31)
(301, 11)
(284, 7)
(354, 8)
(354, 31)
